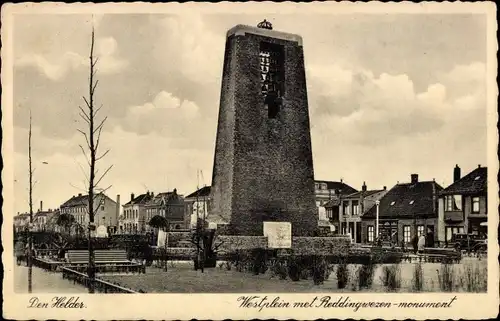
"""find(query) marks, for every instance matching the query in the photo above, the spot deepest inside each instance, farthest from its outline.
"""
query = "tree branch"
(84, 135)
(102, 176)
(98, 128)
(86, 102)
(100, 157)
(84, 154)
(78, 188)
(83, 114)
(97, 110)
(95, 86)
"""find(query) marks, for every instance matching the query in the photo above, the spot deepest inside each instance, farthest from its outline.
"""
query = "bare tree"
(30, 226)
(92, 139)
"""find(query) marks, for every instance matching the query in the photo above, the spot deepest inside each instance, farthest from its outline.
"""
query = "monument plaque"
(279, 234)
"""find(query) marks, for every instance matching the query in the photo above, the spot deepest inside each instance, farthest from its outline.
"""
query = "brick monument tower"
(263, 168)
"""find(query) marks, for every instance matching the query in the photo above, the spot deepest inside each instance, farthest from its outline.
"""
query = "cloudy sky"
(389, 95)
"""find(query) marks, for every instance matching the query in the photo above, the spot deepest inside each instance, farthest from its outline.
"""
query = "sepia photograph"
(295, 157)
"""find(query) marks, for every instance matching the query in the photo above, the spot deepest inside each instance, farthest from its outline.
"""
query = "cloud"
(368, 109)
(187, 43)
(58, 67)
(165, 115)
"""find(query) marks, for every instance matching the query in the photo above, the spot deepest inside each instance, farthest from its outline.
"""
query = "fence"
(100, 286)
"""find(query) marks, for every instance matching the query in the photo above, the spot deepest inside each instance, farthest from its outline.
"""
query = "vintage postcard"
(250, 160)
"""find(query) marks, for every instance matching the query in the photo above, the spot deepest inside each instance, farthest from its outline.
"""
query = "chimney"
(117, 206)
(479, 166)
(363, 188)
(414, 178)
(79, 194)
(175, 191)
(131, 197)
(385, 188)
(341, 181)
(41, 206)
(456, 173)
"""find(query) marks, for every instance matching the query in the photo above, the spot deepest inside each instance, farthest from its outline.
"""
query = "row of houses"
(404, 211)
(415, 208)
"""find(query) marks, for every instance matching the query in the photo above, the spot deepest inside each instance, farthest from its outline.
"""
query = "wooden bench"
(105, 260)
(101, 257)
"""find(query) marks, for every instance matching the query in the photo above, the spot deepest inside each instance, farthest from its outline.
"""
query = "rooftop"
(341, 187)
(475, 182)
(202, 192)
(408, 200)
(141, 199)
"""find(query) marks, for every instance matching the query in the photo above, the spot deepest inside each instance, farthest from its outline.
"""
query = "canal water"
(44, 282)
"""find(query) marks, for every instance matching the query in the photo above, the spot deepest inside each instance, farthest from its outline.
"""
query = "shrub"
(320, 267)
(365, 275)
(342, 275)
(446, 277)
(259, 259)
(391, 277)
(278, 267)
(294, 269)
(418, 277)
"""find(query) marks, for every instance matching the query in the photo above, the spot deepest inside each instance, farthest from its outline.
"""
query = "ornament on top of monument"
(265, 25)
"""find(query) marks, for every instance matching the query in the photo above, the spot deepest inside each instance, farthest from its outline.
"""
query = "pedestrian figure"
(421, 244)
(19, 250)
(414, 242)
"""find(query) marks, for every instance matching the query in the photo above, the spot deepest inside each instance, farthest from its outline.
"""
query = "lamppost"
(377, 203)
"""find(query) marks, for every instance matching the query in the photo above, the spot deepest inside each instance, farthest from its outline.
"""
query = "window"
(316, 186)
(420, 230)
(271, 76)
(453, 203)
(370, 234)
(102, 208)
(475, 204)
(355, 208)
(406, 234)
(451, 230)
(345, 207)
(324, 186)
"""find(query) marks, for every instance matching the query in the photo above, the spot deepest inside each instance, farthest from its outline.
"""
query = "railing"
(111, 268)
(47, 252)
(100, 286)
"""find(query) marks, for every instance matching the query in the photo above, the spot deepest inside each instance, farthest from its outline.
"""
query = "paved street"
(43, 282)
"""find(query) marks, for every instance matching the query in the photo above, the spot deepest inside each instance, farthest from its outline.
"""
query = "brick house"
(328, 195)
(169, 205)
(405, 211)
(463, 206)
(353, 206)
(106, 211)
(134, 219)
(198, 204)
(21, 221)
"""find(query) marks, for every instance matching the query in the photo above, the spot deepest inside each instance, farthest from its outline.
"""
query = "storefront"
(388, 231)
